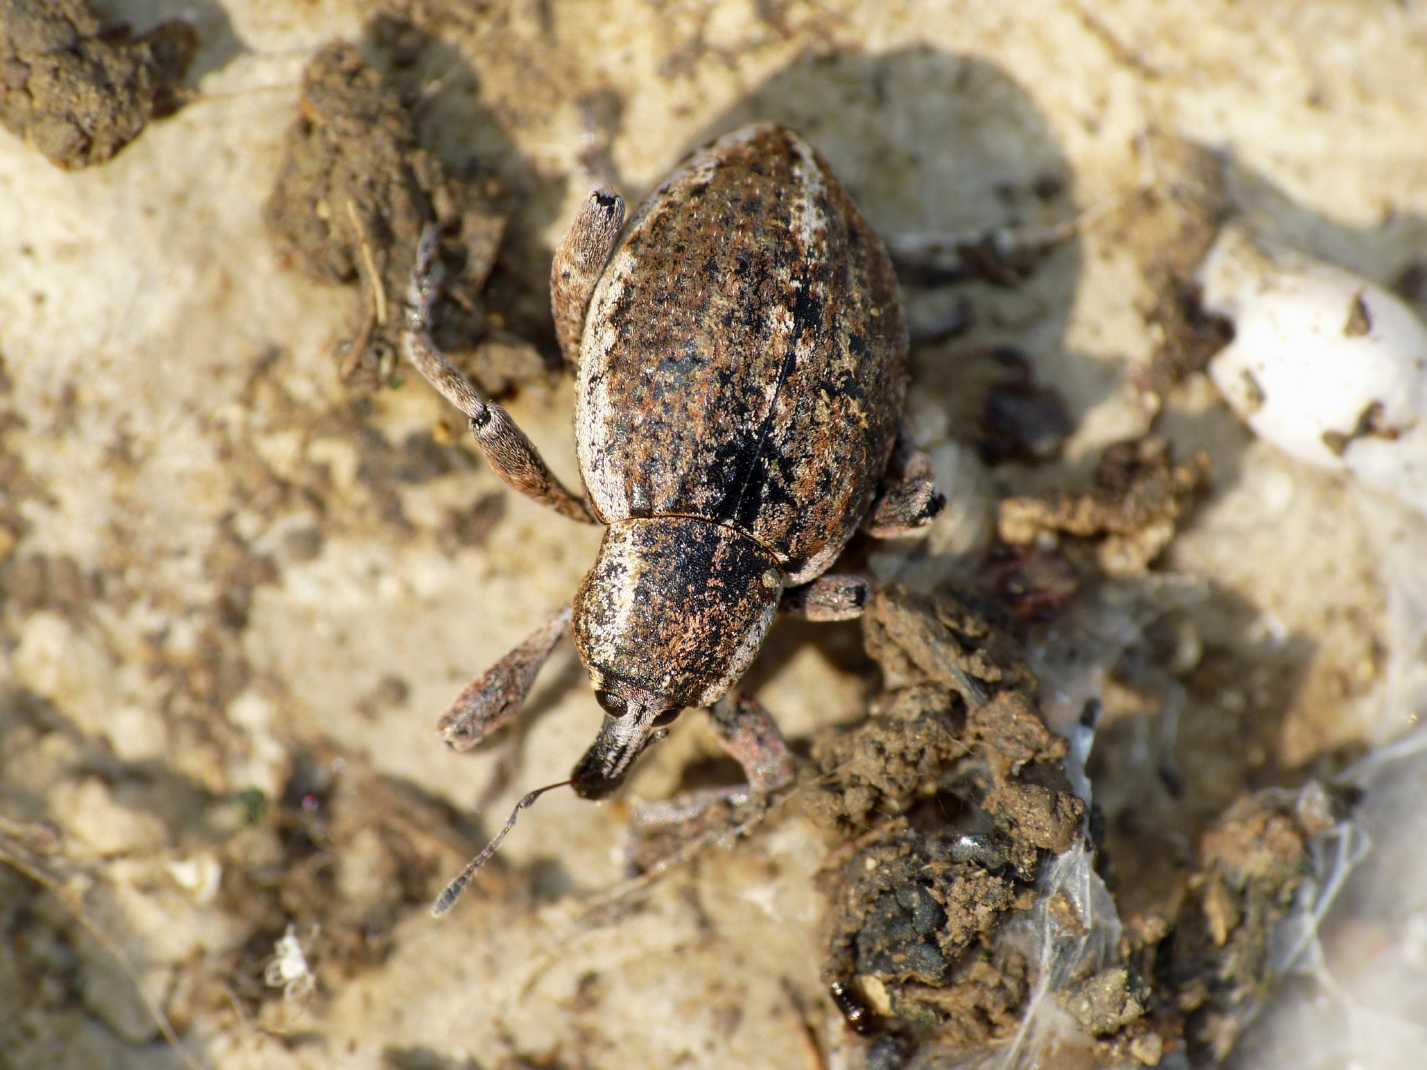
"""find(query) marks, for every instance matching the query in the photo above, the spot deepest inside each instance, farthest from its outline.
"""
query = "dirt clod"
(357, 187)
(951, 796)
(951, 799)
(1252, 862)
(1139, 497)
(77, 89)
(1107, 1002)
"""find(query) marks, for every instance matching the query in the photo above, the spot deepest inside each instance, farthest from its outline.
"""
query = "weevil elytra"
(740, 353)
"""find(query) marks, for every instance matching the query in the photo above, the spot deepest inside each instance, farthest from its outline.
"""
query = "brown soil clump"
(1138, 500)
(952, 800)
(1252, 863)
(356, 190)
(78, 90)
(1166, 231)
(951, 797)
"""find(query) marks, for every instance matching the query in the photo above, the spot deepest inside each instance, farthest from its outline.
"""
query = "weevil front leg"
(751, 737)
(492, 700)
(578, 264)
(908, 501)
(511, 455)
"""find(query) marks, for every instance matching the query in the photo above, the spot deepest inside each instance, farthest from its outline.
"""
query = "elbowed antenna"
(447, 899)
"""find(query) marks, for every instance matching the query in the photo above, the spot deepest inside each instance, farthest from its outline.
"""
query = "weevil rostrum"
(740, 354)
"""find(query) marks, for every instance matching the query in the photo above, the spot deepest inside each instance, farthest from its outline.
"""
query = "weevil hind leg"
(907, 501)
(504, 445)
(493, 699)
(578, 264)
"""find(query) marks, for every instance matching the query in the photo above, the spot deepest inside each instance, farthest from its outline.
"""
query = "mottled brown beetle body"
(741, 361)
(744, 358)
(742, 368)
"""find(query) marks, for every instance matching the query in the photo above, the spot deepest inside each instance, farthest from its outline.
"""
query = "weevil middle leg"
(830, 597)
(508, 451)
(907, 501)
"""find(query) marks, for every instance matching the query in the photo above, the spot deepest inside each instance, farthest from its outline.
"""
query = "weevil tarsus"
(752, 738)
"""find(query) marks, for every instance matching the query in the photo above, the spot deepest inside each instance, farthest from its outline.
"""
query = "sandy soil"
(246, 559)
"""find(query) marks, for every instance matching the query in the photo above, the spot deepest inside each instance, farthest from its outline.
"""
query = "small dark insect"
(740, 354)
(858, 1015)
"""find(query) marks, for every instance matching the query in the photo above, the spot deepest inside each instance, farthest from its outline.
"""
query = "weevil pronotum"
(740, 353)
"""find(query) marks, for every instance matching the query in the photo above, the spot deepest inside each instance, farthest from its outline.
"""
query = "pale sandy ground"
(173, 405)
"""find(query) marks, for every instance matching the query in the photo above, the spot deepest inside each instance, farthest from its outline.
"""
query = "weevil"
(740, 356)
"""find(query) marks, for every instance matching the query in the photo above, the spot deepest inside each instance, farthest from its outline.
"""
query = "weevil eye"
(611, 703)
(667, 717)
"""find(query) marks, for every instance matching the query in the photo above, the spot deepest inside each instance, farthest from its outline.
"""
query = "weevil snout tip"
(621, 740)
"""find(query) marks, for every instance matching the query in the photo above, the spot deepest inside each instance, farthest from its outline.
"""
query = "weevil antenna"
(447, 899)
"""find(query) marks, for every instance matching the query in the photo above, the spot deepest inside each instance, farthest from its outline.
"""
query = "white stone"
(1318, 353)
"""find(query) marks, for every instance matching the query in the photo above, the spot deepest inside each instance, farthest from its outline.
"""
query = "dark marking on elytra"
(807, 310)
